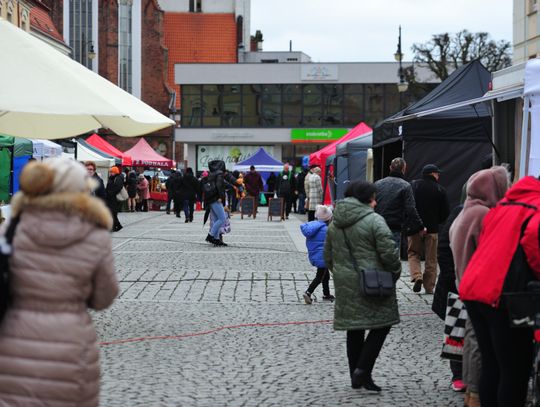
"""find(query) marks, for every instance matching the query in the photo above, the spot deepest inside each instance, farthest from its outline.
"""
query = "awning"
(499, 94)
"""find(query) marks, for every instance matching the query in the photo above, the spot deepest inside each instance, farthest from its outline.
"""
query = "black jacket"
(431, 202)
(190, 187)
(99, 192)
(114, 186)
(395, 203)
(447, 277)
(285, 186)
(217, 174)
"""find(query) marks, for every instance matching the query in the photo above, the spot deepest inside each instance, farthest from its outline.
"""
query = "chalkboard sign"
(247, 205)
(275, 208)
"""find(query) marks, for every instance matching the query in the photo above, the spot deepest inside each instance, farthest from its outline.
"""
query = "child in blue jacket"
(315, 233)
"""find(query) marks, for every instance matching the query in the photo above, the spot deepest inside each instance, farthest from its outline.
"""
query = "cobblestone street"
(201, 326)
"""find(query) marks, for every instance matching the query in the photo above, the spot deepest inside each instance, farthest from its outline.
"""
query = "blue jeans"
(301, 203)
(219, 215)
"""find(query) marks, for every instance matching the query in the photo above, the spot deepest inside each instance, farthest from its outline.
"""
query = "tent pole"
(11, 170)
(524, 138)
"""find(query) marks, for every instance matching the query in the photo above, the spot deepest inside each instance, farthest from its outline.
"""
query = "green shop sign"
(316, 135)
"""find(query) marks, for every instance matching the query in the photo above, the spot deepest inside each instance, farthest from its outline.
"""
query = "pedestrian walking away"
(395, 202)
(432, 206)
(131, 186)
(286, 188)
(254, 186)
(315, 233)
(372, 246)
(62, 264)
(144, 192)
(190, 191)
(484, 189)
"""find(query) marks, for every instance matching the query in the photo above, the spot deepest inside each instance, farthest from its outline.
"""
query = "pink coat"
(142, 187)
(62, 264)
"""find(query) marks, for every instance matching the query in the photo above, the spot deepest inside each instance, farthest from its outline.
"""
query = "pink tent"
(143, 154)
(319, 157)
(102, 145)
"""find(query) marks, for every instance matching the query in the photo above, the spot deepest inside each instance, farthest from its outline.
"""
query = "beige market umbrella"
(46, 95)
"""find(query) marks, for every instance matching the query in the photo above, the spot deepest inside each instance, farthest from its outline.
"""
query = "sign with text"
(230, 154)
(319, 72)
(317, 135)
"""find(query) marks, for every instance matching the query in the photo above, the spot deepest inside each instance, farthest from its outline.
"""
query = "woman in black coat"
(190, 192)
(447, 283)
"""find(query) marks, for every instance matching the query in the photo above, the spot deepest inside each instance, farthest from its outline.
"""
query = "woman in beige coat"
(62, 264)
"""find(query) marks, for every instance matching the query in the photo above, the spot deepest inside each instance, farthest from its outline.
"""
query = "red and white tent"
(143, 155)
(102, 145)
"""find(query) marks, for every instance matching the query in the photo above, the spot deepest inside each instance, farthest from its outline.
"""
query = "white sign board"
(230, 154)
(319, 72)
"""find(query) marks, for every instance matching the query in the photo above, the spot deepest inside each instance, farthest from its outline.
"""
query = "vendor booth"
(143, 155)
(43, 149)
(86, 152)
(14, 154)
(320, 157)
(100, 144)
(456, 140)
(353, 162)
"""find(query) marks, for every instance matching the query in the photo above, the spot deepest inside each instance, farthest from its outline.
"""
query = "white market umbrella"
(47, 95)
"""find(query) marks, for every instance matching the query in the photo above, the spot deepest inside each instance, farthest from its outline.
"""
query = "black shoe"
(417, 285)
(177, 215)
(186, 221)
(218, 242)
(168, 212)
(210, 238)
(117, 228)
(328, 298)
(357, 379)
(369, 385)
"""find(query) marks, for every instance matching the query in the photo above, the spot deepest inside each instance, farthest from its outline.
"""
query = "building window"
(9, 15)
(532, 6)
(80, 30)
(195, 6)
(125, 62)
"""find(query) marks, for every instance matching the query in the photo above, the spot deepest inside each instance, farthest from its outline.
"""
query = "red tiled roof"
(199, 37)
(41, 21)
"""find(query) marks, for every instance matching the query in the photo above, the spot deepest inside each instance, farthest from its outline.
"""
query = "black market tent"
(351, 162)
(456, 140)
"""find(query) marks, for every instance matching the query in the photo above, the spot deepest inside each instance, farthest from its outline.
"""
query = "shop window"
(192, 108)
(251, 105)
(271, 110)
(313, 109)
(232, 106)
(353, 109)
(292, 105)
(332, 107)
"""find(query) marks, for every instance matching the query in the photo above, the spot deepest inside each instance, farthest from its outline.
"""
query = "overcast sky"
(367, 30)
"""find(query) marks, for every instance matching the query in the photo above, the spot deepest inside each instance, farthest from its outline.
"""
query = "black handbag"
(5, 254)
(373, 282)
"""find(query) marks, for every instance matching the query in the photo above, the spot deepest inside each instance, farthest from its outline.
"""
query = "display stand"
(276, 207)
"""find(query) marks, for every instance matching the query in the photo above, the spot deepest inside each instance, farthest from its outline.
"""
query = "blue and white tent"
(262, 161)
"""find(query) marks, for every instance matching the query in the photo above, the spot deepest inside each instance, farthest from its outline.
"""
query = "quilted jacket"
(62, 264)
(315, 233)
(373, 246)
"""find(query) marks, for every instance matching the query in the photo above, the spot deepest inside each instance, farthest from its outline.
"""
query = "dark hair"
(252, 167)
(90, 164)
(362, 190)
(397, 164)
(189, 170)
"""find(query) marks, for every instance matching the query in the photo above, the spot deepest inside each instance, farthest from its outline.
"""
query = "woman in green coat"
(372, 246)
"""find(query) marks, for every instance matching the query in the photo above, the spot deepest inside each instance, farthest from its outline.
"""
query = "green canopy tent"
(14, 154)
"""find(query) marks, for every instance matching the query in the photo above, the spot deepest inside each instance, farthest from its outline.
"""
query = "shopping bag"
(454, 328)
(262, 199)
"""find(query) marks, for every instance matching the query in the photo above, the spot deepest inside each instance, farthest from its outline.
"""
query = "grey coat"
(373, 246)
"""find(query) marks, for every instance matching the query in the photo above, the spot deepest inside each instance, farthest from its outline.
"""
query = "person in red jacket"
(508, 250)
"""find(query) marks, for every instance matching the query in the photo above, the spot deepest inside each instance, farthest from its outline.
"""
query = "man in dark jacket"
(114, 186)
(301, 191)
(286, 188)
(254, 185)
(213, 187)
(174, 188)
(432, 206)
(395, 202)
(190, 192)
(170, 196)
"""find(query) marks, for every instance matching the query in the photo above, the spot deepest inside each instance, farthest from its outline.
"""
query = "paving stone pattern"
(201, 326)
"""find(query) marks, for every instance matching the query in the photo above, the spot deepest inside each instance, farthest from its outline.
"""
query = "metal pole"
(524, 138)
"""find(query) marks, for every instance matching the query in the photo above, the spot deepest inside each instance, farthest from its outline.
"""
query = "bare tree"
(445, 53)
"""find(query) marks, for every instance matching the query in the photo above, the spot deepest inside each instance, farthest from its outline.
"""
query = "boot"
(210, 239)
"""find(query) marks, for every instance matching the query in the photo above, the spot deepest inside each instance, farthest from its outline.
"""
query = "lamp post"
(402, 85)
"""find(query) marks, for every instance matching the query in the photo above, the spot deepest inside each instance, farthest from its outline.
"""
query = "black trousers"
(287, 199)
(322, 276)
(310, 215)
(169, 200)
(189, 209)
(114, 207)
(362, 353)
(456, 366)
(507, 355)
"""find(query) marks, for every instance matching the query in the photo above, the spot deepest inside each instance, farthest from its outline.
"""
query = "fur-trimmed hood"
(79, 204)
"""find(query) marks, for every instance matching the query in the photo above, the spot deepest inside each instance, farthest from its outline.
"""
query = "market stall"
(85, 152)
(44, 149)
(143, 155)
(14, 154)
(102, 145)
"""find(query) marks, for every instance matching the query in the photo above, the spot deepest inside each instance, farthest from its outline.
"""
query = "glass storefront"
(288, 105)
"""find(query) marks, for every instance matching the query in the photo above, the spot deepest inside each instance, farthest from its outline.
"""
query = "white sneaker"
(307, 298)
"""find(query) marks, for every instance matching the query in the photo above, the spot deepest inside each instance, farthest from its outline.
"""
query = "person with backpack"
(213, 190)
(315, 233)
(506, 259)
